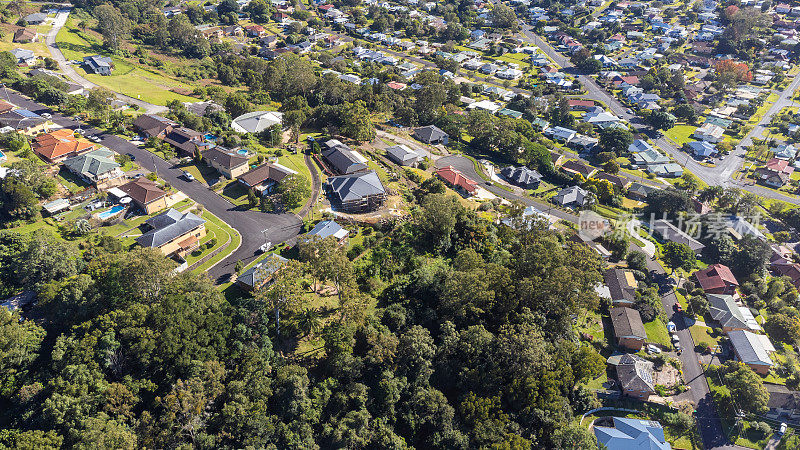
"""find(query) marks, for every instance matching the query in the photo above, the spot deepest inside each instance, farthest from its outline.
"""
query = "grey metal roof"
(356, 186)
(430, 133)
(672, 233)
(325, 229)
(749, 347)
(167, 226)
(627, 323)
(255, 275)
(521, 175)
(344, 159)
(572, 194)
(635, 373)
(725, 311)
(402, 154)
(92, 164)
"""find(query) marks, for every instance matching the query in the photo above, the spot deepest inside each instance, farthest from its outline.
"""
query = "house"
(154, 126)
(783, 403)
(403, 155)
(556, 158)
(635, 375)
(580, 105)
(670, 232)
(255, 30)
(639, 191)
(227, 162)
(631, 434)
(560, 133)
(173, 232)
(578, 167)
(263, 179)
(23, 121)
(326, 229)
(752, 349)
(342, 159)
(58, 145)
(628, 328)
(738, 227)
(5, 107)
(622, 286)
(717, 279)
(357, 192)
(789, 270)
(701, 149)
(97, 64)
(97, 167)
(35, 18)
(185, 140)
(203, 108)
(431, 134)
(729, 314)
(619, 182)
(146, 194)
(602, 119)
(23, 56)
(25, 35)
(775, 173)
(456, 180)
(256, 121)
(709, 132)
(262, 273)
(522, 176)
(582, 143)
(571, 196)
(669, 170)
(56, 206)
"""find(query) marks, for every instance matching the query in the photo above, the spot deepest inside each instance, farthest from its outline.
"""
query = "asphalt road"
(69, 71)
(250, 224)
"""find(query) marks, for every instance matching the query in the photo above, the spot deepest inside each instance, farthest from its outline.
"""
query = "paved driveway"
(250, 224)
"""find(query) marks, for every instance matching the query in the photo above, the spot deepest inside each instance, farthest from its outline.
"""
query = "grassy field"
(751, 439)
(39, 47)
(680, 134)
(657, 332)
(702, 334)
(134, 81)
(222, 227)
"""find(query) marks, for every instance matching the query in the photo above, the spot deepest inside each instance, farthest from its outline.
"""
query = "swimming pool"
(242, 152)
(209, 137)
(111, 212)
(2, 156)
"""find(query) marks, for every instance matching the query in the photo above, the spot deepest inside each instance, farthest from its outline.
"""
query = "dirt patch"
(667, 376)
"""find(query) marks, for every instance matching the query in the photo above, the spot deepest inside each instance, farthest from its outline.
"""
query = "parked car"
(95, 139)
(187, 176)
(782, 429)
(131, 156)
(652, 349)
(671, 327)
(678, 307)
(46, 116)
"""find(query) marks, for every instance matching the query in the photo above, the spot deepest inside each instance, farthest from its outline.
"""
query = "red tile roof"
(456, 178)
(715, 276)
(778, 165)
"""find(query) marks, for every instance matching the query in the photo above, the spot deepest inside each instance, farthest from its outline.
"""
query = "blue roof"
(632, 434)
(27, 114)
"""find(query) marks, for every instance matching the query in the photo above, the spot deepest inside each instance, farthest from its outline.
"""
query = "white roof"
(256, 121)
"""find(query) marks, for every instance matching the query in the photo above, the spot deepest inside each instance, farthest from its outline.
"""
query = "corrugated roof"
(168, 226)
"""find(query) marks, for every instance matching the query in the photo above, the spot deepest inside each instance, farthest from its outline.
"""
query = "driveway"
(69, 71)
(254, 227)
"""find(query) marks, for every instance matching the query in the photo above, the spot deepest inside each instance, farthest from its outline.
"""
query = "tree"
(679, 256)
(747, 388)
(294, 190)
(587, 363)
(698, 305)
(783, 328)
(661, 120)
(504, 17)
(751, 257)
(237, 104)
(611, 167)
(285, 292)
(226, 7)
(437, 218)
(357, 121)
(637, 260)
(20, 341)
(113, 25)
(615, 140)
(574, 436)
(685, 112)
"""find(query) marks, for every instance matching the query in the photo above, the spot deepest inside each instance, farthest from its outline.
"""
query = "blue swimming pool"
(242, 152)
(2, 156)
(111, 212)
(210, 137)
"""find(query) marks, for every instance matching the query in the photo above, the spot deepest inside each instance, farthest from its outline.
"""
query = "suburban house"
(456, 180)
(577, 167)
(146, 194)
(357, 192)
(35, 18)
(185, 140)
(775, 173)
(630, 434)
(58, 145)
(227, 162)
(25, 35)
(256, 121)
(789, 270)
(173, 232)
(639, 191)
(635, 375)
(522, 176)
(716, 279)
(97, 64)
(783, 402)
(619, 182)
(560, 133)
(262, 273)
(729, 314)
(154, 126)
(752, 349)
(628, 328)
(622, 286)
(23, 56)
(24, 121)
(670, 232)
(431, 134)
(701, 149)
(342, 159)
(571, 196)
(326, 229)
(97, 167)
(709, 132)
(403, 155)
(263, 179)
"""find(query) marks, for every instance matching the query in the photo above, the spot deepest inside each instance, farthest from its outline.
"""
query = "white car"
(675, 338)
(652, 349)
(46, 116)
(95, 139)
(671, 327)
(187, 176)
(782, 429)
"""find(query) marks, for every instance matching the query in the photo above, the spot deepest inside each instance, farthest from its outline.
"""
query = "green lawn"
(750, 438)
(680, 134)
(702, 334)
(235, 193)
(221, 239)
(657, 332)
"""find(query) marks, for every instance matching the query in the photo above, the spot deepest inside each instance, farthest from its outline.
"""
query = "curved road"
(69, 71)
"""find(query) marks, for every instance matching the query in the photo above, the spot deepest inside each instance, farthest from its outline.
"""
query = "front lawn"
(680, 134)
(221, 239)
(657, 332)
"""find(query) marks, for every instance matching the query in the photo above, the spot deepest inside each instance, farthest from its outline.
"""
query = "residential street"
(249, 224)
(69, 71)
